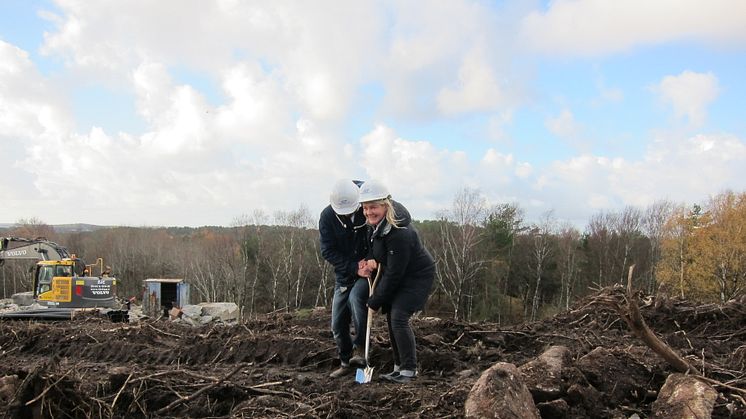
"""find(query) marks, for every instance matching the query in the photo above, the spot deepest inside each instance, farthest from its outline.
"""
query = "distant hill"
(64, 228)
(79, 227)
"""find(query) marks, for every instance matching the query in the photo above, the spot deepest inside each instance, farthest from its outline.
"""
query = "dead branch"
(161, 331)
(46, 390)
(625, 304)
(198, 392)
(120, 391)
(117, 329)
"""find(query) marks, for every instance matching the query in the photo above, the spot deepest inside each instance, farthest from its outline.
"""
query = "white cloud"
(683, 170)
(450, 59)
(319, 53)
(524, 170)
(29, 106)
(496, 169)
(563, 125)
(602, 27)
(689, 93)
(258, 108)
(403, 165)
(497, 123)
(476, 89)
(192, 165)
(425, 178)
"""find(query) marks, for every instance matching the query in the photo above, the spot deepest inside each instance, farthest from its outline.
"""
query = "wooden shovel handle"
(372, 287)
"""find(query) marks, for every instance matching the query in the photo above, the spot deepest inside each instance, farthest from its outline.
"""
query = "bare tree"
(541, 252)
(289, 265)
(211, 265)
(459, 264)
(568, 257)
(599, 244)
(653, 224)
(627, 227)
(325, 277)
(32, 228)
(252, 252)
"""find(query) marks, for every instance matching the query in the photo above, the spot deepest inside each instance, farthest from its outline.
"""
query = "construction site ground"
(278, 365)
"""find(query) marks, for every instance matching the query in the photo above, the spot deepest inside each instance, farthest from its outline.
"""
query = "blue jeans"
(348, 305)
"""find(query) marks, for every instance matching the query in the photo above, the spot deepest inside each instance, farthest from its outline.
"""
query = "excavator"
(62, 281)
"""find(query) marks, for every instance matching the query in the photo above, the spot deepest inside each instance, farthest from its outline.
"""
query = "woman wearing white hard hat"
(408, 271)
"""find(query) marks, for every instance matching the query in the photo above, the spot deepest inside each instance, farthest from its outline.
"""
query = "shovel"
(364, 375)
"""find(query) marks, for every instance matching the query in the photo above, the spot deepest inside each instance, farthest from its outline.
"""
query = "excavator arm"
(38, 249)
(34, 249)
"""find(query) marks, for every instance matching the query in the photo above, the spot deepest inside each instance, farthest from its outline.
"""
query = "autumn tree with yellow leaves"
(704, 250)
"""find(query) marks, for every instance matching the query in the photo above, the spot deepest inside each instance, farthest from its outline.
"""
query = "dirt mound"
(278, 366)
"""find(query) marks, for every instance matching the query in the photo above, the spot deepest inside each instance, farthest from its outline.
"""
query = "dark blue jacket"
(343, 242)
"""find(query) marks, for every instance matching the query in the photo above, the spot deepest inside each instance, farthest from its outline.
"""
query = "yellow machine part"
(61, 290)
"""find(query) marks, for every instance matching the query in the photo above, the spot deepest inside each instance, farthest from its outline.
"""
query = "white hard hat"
(344, 197)
(373, 190)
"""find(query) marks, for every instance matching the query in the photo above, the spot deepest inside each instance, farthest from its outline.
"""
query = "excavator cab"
(44, 282)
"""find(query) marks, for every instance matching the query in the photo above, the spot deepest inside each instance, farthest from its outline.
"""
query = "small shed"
(163, 294)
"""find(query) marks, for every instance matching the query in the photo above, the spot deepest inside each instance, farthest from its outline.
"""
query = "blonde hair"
(390, 212)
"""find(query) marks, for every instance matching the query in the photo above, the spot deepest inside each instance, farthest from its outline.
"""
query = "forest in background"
(491, 263)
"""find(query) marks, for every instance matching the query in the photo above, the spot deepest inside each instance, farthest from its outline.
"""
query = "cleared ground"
(278, 366)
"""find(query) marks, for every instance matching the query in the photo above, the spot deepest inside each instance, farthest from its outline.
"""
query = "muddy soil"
(278, 365)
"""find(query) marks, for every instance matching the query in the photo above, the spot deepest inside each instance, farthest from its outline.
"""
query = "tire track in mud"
(155, 348)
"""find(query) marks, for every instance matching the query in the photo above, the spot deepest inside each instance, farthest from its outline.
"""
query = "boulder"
(500, 393)
(543, 375)
(191, 311)
(220, 311)
(686, 397)
(23, 298)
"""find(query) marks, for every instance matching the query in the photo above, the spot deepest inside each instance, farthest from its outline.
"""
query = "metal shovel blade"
(364, 375)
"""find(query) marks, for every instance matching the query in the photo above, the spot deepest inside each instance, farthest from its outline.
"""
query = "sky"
(198, 112)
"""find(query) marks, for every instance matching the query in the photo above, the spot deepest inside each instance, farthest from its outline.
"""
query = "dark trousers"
(402, 338)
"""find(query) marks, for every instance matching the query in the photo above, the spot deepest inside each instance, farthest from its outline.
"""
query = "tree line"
(491, 263)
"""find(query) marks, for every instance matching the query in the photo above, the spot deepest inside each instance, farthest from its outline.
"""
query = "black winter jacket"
(408, 268)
